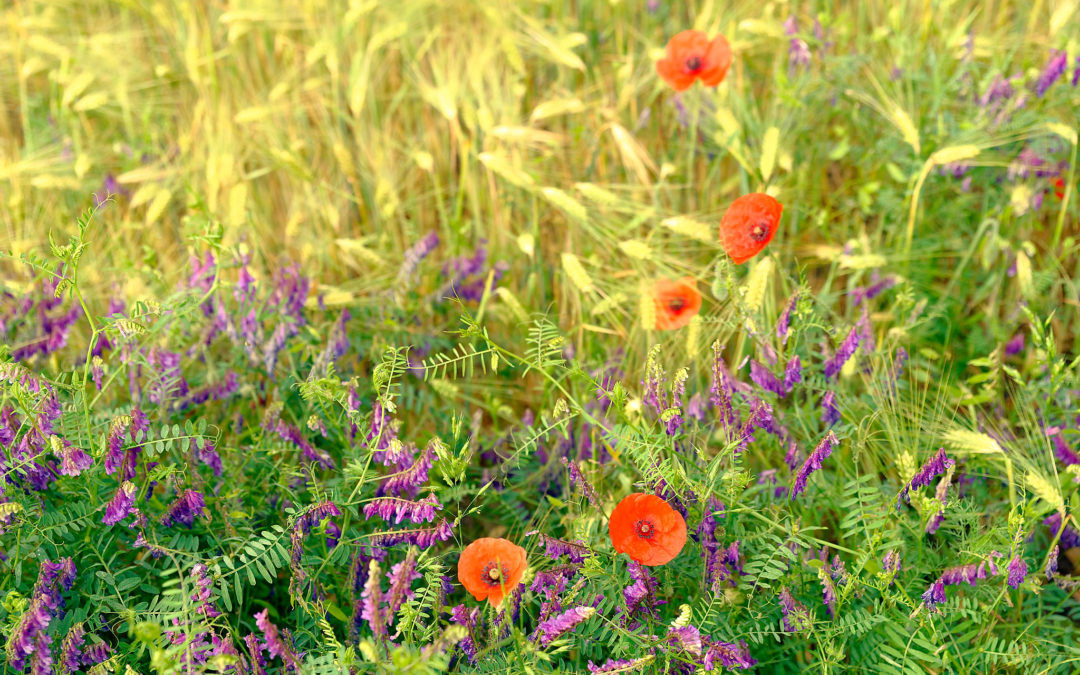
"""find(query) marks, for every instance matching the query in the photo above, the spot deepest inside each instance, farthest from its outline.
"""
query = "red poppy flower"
(692, 55)
(676, 302)
(1059, 187)
(748, 225)
(490, 568)
(645, 528)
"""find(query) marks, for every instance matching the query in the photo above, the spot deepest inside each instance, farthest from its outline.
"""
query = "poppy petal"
(748, 225)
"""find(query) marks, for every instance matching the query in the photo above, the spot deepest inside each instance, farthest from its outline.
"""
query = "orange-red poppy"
(748, 225)
(490, 568)
(676, 302)
(1059, 187)
(692, 55)
(647, 529)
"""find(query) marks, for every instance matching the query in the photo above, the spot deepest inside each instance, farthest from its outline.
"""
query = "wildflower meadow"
(592, 336)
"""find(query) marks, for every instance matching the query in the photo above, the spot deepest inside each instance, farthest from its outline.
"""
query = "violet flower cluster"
(935, 466)
(813, 463)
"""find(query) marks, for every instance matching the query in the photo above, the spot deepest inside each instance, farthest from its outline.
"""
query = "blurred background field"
(336, 134)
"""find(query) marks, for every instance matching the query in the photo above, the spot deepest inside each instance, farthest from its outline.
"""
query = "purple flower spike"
(275, 644)
(1015, 345)
(120, 506)
(783, 324)
(934, 466)
(813, 462)
(728, 655)
(1070, 538)
(394, 510)
(844, 352)
(935, 595)
(830, 414)
(1051, 568)
(792, 374)
(796, 618)
(557, 626)
(581, 482)
(575, 551)
(184, 508)
(764, 379)
(1017, 570)
(1051, 72)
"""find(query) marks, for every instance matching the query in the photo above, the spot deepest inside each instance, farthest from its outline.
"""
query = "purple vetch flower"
(73, 460)
(814, 462)
(672, 417)
(764, 379)
(620, 665)
(728, 655)
(830, 413)
(1051, 72)
(582, 483)
(861, 294)
(71, 648)
(409, 480)
(184, 508)
(552, 584)
(796, 618)
(935, 466)
(941, 494)
(695, 407)
(899, 359)
(120, 506)
(783, 324)
(721, 390)
(653, 385)
(258, 660)
(798, 50)
(208, 455)
(95, 653)
(686, 639)
(1070, 538)
(1017, 570)
(273, 423)
(1051, 569)
(303, 526)
(890, 565)
(844, 352)
(422, 537)
(792, 374)
(395, 510)
(401, 576)
(760, 418)
(1015, 345)
(469, 620)
(204, 595)
(1062, 451)
(27, 637)
(557, 626)
(97, 372)
(275, 644)
(828, 591)
(575, 551)
(413, 256)
(935, 595)
(639, 596)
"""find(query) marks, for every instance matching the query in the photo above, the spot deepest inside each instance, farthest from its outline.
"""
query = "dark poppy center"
(759, 231)
(493, 574)
(676, 304)
(645, 529)
(693, 63)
